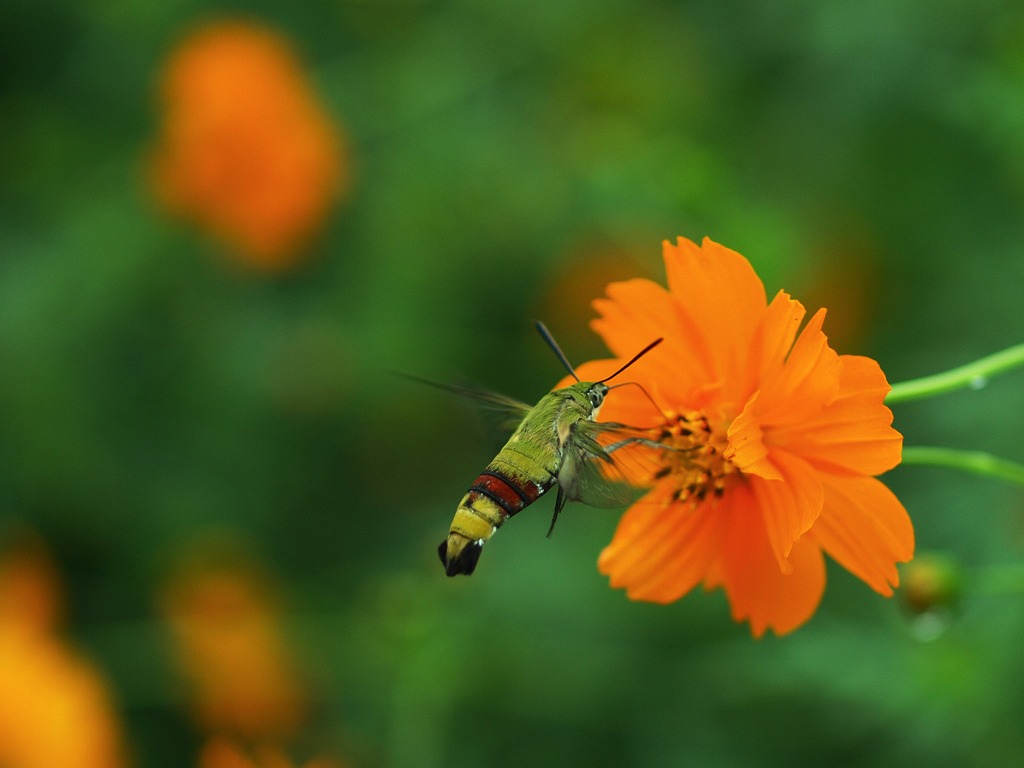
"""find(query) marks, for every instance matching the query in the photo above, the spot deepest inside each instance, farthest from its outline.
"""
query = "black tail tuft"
(464, 562)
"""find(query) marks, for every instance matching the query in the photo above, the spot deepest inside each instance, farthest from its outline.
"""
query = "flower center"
(697, 463)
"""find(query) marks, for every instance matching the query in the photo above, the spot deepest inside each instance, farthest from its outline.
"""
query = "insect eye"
(596, 398)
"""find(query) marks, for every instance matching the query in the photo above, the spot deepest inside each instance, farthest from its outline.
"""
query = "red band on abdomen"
(505, 492)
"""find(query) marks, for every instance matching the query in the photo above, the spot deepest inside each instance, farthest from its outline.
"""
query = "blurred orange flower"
(246, 151)
(55, 710)
(587, 268)
(221, 753)
(778, 439)
(29, 586)
(232, 651)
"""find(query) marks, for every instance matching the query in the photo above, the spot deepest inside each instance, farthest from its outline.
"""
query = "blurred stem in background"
(974, 376)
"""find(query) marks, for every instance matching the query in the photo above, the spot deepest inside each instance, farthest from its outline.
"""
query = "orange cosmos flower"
(246, 150)
(778, 441)
(231, 647)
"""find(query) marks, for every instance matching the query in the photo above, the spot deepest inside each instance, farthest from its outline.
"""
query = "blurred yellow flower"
(55, 710)
(232, 652)
(246, 151)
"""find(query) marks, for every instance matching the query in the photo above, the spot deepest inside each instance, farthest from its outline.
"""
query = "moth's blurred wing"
(509, 412)
(609, 465)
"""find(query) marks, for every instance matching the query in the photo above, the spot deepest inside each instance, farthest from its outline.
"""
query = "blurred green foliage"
(866, 157)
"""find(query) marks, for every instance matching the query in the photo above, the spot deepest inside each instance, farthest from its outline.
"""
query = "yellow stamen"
(697, 464)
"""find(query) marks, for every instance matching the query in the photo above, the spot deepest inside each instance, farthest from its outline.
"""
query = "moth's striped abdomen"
(498, 493)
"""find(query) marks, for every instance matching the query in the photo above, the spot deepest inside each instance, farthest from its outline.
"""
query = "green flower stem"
(977, 462)
(971, 375)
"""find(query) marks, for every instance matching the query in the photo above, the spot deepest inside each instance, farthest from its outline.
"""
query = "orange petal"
(853, 433)
(807, 382)
(865, 528)
(757, 589)
(790, 506)
(774, 338)
(723, 294)
(662, 549)
(636, 313)
(746, 450)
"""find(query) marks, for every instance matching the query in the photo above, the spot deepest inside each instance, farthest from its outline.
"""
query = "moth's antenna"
(546, 335)
(636, 357)
(647, 394)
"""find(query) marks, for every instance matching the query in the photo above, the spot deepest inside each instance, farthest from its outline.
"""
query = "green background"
(868, 157)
